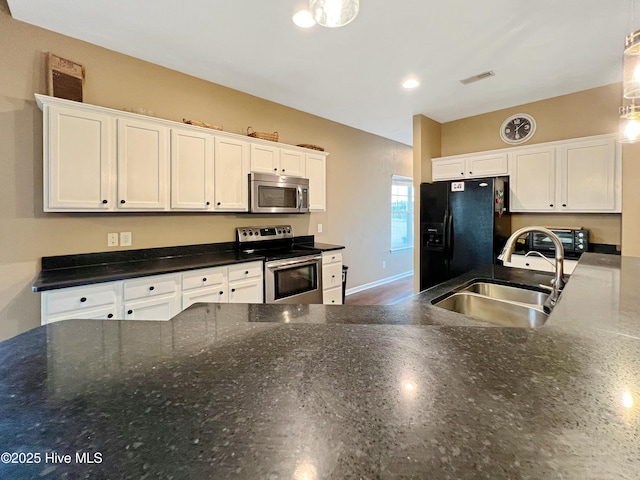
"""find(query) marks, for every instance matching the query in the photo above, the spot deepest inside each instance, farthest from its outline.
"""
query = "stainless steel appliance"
(574, 241)
(292, 273)
(278, 194)
(463, 225)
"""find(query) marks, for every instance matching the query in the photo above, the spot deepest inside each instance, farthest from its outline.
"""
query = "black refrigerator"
(463, 225)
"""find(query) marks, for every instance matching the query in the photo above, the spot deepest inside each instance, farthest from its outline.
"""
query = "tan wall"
(427, 134)
(359, 168)
(590, 112)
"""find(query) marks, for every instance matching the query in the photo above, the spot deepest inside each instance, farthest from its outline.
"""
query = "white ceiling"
(537, 48)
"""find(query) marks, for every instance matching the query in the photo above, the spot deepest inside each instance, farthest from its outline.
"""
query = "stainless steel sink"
(504, 305)
(509, 293)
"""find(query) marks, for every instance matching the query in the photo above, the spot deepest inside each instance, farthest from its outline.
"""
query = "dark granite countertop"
(86, 269)
(313, 391)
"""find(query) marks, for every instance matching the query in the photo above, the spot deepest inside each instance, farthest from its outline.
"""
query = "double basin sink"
(505, 305)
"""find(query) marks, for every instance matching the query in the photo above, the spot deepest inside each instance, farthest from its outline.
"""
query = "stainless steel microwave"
(270, 193)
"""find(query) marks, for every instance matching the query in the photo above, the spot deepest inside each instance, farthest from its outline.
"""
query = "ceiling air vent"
(475, 78)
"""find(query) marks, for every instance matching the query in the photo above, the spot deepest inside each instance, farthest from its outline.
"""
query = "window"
(401, 213)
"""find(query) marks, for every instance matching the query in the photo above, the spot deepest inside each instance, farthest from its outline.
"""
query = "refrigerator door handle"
(448, 225)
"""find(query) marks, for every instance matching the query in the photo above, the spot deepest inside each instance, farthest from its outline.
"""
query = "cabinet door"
(292, 163)
(191, 170)
(316, 173)
(208, 295)
(231, 175)
(533, 180)
(492, 165)
(101, 313)
(143, 165)
(79, 149)
(265, 158)
(155, 308)
(447, 169)
(246, 291)
(588, 176)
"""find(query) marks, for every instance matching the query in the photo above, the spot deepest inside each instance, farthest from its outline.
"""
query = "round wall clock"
(518, 128)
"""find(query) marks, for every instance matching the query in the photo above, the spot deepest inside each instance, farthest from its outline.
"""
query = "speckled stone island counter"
(314, 392)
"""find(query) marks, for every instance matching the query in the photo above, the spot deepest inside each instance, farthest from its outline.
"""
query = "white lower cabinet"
(246, 284)
(152, 298)
(158, 297)
(91, 301)
(332, 278)
(205, 285)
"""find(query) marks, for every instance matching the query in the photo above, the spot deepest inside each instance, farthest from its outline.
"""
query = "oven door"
(294, 280)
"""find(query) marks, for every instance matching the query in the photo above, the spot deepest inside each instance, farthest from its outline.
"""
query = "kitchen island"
(313, 391)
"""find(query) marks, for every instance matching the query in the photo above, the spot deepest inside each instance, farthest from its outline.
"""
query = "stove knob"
(244, 233)
(251, 232)
(288, 229)
(580, 235)
(580, 246)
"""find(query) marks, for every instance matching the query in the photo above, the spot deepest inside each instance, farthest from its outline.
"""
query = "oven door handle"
(290, 263)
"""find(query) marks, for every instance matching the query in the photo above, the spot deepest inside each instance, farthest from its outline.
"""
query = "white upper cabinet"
(80, 153)
(588, 179)
(98, 159)
(469, 166)
(191, 170)
(573, 176)
(279, 161)
(143, 165)
(533, 180)
(316, 172)
(231, 174)
(292, 163)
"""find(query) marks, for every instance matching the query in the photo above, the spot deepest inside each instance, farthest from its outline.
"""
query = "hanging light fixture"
(631, 78)
(334, 13)
(630, 123)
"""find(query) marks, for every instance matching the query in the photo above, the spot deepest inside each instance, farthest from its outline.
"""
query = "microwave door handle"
(299, 189)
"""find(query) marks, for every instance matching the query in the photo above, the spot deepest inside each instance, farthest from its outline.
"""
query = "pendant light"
(334, 13)
(629, 111)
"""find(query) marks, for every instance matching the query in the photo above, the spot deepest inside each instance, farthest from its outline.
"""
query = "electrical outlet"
(384, 264)
(319, 228)
(112, 239)
(125, 239)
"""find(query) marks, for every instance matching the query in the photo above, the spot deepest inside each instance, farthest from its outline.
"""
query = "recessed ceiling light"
(410, 83)
(304, 19)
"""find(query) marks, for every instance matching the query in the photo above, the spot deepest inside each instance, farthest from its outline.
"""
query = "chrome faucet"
(558, 283)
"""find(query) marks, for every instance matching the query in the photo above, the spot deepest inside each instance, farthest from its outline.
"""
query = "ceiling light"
(304, 19)
(410, 83)
(334, 13)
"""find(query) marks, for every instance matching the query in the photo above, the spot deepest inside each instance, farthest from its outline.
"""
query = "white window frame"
(399, 180)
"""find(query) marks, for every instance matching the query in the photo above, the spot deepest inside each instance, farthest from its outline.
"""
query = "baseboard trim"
(377, 283)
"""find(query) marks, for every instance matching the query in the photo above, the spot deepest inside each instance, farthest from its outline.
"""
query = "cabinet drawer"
(80, 298)
(332, 296)
(332, 275)
(331, 257)
(245, 270)
(150, 287)
(205, 277)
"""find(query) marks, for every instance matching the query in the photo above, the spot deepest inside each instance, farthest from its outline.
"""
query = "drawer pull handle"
(221, 292)
(564, 204)
(208, 203)
(104, 201)
(246, 272)
(551, 204)
(333, 301)
(129, 312)
(122, 201)
(83, 299)
(110, 315)
(233, 289)
(152, 287)
(204, 279)
(219, 204)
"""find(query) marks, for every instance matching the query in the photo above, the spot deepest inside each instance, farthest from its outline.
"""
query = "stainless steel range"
(292, 273)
